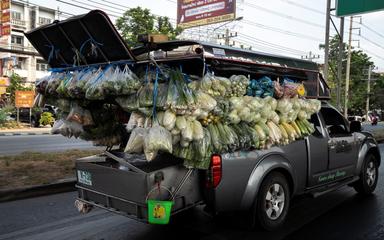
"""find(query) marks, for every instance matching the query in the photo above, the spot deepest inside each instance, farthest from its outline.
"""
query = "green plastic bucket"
(159, 212)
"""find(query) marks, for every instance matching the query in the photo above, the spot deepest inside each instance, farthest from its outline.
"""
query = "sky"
(286, 27)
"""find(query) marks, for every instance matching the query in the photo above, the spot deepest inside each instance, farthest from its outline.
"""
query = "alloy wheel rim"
(274, 201)
(371, 173)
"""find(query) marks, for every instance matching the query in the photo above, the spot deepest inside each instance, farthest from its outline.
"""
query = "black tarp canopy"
(81, 40)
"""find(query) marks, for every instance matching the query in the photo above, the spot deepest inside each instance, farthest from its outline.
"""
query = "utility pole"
(227, 37)
(340, 64)
(310, 56)
(326, 47)
(348, 68)
(368, 91)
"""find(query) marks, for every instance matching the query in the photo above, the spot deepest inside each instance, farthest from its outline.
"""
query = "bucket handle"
(155, 188)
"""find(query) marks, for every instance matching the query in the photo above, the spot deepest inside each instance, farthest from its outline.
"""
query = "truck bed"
(120, 182)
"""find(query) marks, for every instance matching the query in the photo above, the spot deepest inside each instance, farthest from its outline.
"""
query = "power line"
(279, 30)
(97, 7)
(303, 6)
(82, 7)
(284, 15)
(372, 42)
(271, 45)
(370, 29)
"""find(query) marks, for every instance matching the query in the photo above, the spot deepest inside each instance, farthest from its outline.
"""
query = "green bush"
(3, 116)
(46, 119)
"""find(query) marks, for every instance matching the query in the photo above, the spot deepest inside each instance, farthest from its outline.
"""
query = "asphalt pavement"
(339, 215)
(10, 145)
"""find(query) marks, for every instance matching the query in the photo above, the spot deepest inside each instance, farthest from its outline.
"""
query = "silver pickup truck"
(261, 182)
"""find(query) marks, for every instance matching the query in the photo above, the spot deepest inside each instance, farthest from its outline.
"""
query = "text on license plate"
(84, 177)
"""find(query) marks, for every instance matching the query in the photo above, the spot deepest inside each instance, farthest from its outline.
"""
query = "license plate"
(84, 177)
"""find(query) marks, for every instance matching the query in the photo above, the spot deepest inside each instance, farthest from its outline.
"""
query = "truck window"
(334, 122)
(316, 122)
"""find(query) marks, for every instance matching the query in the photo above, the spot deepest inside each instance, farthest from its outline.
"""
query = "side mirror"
(355, 126)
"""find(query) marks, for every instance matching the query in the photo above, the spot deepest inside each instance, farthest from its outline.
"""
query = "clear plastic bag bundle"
(54, 82)
(158, 139)
(77, 87)
(145, 95)
(129, 103)
(95, 88)
(136, 141)
(80, 115)
(290, 88)
(135, 120)
(62, 89)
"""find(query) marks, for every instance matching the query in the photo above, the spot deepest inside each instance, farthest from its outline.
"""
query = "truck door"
(342, 148)
(318, 148)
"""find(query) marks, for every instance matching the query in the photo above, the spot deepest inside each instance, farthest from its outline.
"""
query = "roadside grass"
(34, 168)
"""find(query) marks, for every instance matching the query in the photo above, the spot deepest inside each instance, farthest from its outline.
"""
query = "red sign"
(5, 30)
(5, 4)
(5, 17)
(192, 13)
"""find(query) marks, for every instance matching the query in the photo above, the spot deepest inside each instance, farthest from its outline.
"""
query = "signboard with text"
(5, 30)
(192, 13)
(5, 17)
(3, 90)
(24, 99)
(4, 82)
(353, 7)
(5, 4)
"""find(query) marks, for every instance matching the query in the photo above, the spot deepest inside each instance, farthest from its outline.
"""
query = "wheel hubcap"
(371, 173)
(274, 201)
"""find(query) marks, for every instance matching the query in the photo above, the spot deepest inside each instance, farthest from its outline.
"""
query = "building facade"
(16, 52)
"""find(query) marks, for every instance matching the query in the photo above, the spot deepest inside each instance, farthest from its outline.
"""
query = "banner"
(192, 13)
(4, 82)
(5, 4)
(24, 99)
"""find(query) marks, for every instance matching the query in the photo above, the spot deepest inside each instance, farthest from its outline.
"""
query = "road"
(10, 145)
(339, 215)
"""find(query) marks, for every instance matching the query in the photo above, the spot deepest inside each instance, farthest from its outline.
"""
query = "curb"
(24, 133)
(36, 191)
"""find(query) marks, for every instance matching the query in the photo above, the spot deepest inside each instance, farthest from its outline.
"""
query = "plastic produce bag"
(54, 82)
(136, 141)
(197, 129)
(290, 88)
(169, 120)
(187, 133)
(128, 103)
(157, 139)
(56, 126)
(278, 90)
(77, 88)
(145, 95)
(95, 89)
(205, 101)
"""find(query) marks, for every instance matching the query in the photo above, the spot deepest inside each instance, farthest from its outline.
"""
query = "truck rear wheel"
(368, 176)
(272, 201)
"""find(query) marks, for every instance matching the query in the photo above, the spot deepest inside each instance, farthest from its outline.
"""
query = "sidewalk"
(26, 131)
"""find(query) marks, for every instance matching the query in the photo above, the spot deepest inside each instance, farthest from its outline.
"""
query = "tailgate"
(121, 183)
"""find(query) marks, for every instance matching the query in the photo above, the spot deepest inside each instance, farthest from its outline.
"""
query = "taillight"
(214, 177)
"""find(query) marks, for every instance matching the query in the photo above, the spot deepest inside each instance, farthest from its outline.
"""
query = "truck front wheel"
(368, 176)
(272, 201)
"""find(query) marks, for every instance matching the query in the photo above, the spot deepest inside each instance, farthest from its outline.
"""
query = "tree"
(360, 62)
(137, 21)
(15, 84)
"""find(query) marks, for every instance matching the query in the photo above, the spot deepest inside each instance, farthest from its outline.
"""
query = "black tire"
(272, 219)
(368, 176)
